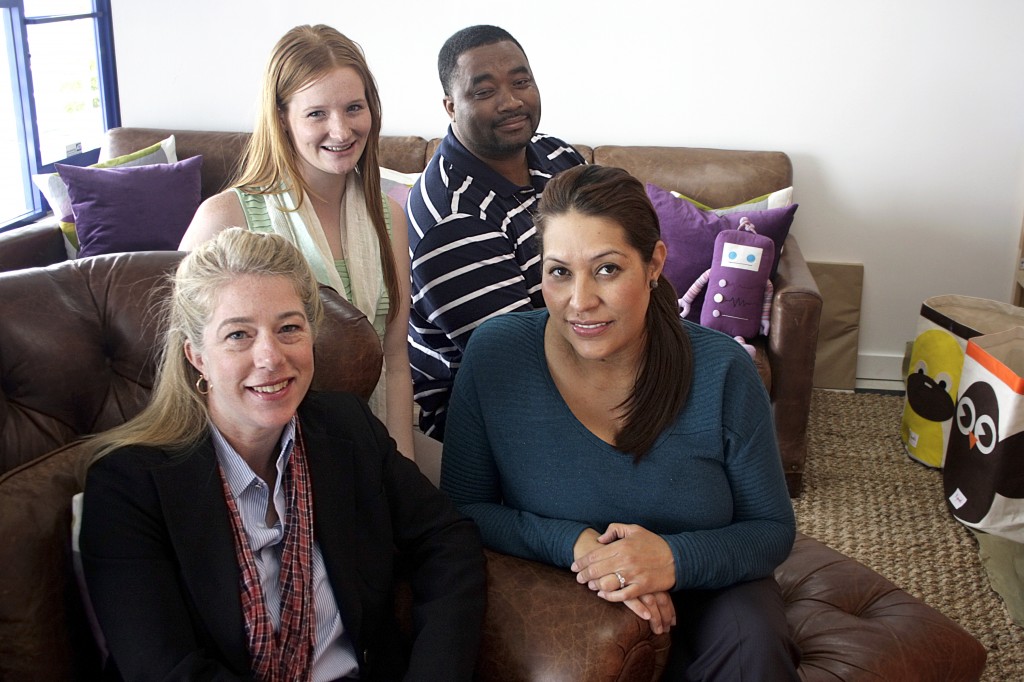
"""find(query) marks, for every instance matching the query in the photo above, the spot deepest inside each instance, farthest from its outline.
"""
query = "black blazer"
(163, 577)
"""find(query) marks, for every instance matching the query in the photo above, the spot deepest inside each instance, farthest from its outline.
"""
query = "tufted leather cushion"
(82, 327)
(850, 623)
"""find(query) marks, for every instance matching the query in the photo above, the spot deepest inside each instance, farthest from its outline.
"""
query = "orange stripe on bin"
(1001, 371)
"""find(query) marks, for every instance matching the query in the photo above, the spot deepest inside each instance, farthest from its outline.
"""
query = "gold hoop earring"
(200, 382)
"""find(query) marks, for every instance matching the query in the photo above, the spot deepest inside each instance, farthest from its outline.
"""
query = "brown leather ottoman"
(853, 624)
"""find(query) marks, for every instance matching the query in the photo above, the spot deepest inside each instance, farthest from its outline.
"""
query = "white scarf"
(362, 255)
(359, 237)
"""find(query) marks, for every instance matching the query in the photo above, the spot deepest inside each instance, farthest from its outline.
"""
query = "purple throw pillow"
(142, 208)
(689, 233)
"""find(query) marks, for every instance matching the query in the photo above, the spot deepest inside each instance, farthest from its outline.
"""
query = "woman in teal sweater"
(607, 436)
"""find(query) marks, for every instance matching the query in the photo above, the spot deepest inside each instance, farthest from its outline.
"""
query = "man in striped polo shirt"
(471, 233)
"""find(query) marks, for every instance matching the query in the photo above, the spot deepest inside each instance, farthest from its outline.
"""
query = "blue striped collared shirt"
(474, 256)
(333, 654)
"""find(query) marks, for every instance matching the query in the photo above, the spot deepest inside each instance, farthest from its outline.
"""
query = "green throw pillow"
(778, 199)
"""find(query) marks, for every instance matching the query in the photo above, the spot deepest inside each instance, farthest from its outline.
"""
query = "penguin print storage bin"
(983, 478)
(944, 327)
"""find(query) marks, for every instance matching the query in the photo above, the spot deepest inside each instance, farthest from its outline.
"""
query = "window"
(58, 94)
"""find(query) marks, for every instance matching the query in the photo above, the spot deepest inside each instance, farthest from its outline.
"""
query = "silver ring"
(622, 581)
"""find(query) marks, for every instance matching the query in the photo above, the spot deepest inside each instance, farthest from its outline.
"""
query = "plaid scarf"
(286, 655)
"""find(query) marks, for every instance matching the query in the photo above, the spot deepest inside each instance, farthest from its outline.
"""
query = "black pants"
(736, 633)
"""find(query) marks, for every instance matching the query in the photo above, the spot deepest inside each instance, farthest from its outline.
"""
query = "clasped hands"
(643, 560)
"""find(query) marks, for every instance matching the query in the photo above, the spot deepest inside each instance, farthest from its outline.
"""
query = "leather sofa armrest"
(794, 275)
(792, 347)
(34, 245)
(796, 311)
(44, 629)
(542, 625)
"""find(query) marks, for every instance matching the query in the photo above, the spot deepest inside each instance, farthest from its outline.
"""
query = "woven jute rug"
(864, 497)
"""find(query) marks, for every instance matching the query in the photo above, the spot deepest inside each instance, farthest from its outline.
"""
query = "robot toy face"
(741, 256)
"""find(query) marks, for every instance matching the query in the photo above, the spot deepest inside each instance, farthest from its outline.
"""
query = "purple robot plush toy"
(739, 298)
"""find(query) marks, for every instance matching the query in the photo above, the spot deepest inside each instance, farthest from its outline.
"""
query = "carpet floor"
(865, 498)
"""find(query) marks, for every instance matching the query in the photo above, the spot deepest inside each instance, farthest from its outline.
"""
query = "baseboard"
(880, 386)
(880, 372)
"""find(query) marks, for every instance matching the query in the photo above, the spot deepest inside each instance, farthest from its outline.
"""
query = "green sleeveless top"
(254, 206)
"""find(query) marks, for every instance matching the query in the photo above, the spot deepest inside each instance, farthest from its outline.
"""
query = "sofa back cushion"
(714, 177)
(222, 152)
(78, 340)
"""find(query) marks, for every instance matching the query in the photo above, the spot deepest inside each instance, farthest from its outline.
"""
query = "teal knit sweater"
(533, 477)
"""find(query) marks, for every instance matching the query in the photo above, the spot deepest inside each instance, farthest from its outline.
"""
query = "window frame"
(15, 36)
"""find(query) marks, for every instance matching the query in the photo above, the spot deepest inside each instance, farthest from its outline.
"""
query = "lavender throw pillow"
(689, 233)
(396, 184)
(145, 208)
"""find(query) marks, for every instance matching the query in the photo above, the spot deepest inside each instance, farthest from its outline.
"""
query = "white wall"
(904, 119)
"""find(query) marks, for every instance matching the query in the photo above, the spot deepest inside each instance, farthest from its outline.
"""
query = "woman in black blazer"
(242, 527)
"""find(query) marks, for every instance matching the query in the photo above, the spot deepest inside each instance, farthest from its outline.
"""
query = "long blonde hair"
(177, 415)
(270, 163)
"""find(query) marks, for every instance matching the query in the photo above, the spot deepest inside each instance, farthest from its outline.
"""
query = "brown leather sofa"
(76, 357)
(714, 177)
